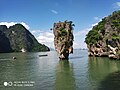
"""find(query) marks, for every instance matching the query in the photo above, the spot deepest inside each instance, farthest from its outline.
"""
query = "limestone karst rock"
(4, 41)
(104, 38)
(63, 38)
(17, 38)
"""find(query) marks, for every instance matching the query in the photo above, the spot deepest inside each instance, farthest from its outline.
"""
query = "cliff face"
(4, 41)
(104, 38)
(63, 38)
(18, 39)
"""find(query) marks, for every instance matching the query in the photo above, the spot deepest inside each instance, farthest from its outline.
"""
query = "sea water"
(31, 72)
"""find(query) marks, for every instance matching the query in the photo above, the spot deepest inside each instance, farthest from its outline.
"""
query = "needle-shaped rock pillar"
(63, 38)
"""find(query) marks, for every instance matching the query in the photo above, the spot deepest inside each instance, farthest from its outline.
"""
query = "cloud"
(83, 31)
(47, 38)
(25, 25)
(80, 44)
(44, 37)
(94, 24)
(81, 35)
(75, 45)
(116, 5)
(8, 24)
(96, 18)
(54, 11)
(80, 38)
(36, 32)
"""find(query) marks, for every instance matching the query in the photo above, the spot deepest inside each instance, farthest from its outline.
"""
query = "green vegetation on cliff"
(17, 38)
(98, 31)
(104, 38)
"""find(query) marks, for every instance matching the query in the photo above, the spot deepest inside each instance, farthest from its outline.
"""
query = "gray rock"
(104, 38)
(17, 38)
(63, 38)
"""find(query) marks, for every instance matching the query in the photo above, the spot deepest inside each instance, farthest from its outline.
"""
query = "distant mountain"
(104, 38)
(17, 38)
(52, 49)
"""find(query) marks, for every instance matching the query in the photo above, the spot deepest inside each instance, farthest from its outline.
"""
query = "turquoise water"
(48, 73)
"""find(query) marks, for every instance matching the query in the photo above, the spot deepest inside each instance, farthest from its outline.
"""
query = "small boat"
(43, 55)
(14, 58)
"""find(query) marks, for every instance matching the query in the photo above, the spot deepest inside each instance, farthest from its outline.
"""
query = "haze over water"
(48, 73)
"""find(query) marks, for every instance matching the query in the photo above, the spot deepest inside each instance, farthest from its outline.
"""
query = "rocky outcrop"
(18, 39)
(63, 38)
(4, 41)
(104, 38)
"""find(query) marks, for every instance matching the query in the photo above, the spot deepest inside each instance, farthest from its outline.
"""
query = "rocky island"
(104, 38)
(63, 38)
(17, 38)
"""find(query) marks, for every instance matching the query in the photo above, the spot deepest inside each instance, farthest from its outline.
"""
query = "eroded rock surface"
(63, 38)
(104, 38)
(17, 38)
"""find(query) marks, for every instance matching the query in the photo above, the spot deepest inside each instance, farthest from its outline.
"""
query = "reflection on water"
(48, 73)
(64, 76)
(100, 71)
(20, 69)
(111, 82)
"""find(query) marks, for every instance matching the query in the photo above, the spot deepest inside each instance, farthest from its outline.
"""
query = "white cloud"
(33, 31)
(116, 5)
(96, 18)
(78, 45)
(44, 37)
(54, 11)
(8, 24)
(83, 32)
(36, 32)
(25, 25)
(47, 38)
(81, 35)
(80, 38)
(94, 24)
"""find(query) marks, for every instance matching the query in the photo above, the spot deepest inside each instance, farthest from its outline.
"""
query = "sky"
(38, 16)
